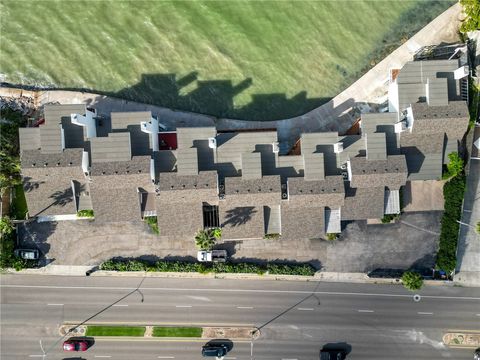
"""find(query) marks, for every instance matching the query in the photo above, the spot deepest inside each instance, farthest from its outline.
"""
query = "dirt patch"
(230, 333)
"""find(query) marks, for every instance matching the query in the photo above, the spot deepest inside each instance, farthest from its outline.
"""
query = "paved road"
(296, 318)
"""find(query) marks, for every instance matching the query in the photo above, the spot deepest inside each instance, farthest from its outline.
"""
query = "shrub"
(7, 257)
(477, 228)
(231, 268)
(272, 236)
(454, 167)
(152, 222)
(332, 236)
(453, 192)
(472, 20)
(216, 233)
(85, 213)
(388, 218)
(6, 226)
(412, 280)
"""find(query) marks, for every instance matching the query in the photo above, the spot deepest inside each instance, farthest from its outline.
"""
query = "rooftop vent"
(212, 143)
(400, 127)
(275, 147)
(338, 147)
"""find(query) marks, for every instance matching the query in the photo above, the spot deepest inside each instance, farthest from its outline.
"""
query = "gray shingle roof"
(420, 71)
(314, 166)
(138, 165)
(302, 222)
(117, 198)
(317, 193)
(48, 190)
(363, 203)
(424, 154)
(245, 222)
(241, 192)
(66, 158)
(179, 219)
(176, 188)
(391, 172)
(437, 92)
(374, 122)
(451, 119)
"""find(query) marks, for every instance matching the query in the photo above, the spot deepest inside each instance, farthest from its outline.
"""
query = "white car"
(212, 256)
(27, 254)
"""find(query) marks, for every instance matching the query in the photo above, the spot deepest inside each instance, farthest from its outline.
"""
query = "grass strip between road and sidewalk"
(115, 331)
(177, 331)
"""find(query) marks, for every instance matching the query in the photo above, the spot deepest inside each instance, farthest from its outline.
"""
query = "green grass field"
(177, 331)
(115, 330)
(252, 60)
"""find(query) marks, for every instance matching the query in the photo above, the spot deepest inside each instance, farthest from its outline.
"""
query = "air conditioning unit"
(284, 195)
(400, 127)
(212, 143)
(345, 175)
(338, 147)
(343, 166)
(221, 196)
(275, 147)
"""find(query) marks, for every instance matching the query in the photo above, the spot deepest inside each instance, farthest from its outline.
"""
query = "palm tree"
(204, 240)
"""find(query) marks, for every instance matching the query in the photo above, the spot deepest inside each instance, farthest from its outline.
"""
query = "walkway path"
(336, 115)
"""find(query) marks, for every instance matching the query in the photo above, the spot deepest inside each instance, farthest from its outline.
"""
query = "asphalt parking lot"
(411, 241)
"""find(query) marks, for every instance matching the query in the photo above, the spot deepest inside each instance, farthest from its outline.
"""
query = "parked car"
(476, 355)
(213, 255)
(332, 355)
(214, 351)
(27, 254)
(75, 345)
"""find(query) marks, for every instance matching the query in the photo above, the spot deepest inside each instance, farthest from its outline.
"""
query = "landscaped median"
(153, 331)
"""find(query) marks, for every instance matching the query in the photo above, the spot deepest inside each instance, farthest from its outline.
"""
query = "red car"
(75, 345)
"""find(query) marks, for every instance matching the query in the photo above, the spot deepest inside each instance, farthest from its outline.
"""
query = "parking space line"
(103, 356)
(365, 311)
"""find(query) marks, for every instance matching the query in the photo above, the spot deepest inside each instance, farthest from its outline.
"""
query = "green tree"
(472, 12)
(454, 167)
(9, 171)
(216, 233)
(412, 280)
(6, 226)
(204, 240)
(477, 228)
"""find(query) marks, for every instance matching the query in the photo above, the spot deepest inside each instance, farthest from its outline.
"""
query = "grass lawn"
(255, 60)
(177, 331)
(115, 331)
(19, 204)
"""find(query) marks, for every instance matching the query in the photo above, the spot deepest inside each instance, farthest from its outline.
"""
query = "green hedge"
(453, 192)
(182, 266)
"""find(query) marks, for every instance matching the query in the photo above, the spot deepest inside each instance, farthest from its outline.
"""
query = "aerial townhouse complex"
(127, 167)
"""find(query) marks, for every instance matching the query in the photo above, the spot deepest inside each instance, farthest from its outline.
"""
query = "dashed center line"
(35, 355)
(477, 314)
(424, 313)
(230, 357)
(365, 311)
(244, 307)
(305, 309)
(124, 305)
(183, 306)
(55, 304)
(166, 357)
(103, 356)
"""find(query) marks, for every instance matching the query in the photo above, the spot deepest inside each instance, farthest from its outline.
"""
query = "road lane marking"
(260, 291)
(103, 356)
(183, 306)
(477, 314)
(365, 311)
(166, 357)
(305, 309)
(120, 305)
(244, 307)
(35, 355)
(229, 357)
(424, 313)
(288, 359)
(55, 304)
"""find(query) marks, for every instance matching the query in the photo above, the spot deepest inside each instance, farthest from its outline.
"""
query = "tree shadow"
(239, 215)
(35, 235)
(60, 198)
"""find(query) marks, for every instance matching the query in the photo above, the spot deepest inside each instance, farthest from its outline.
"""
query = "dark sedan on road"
(214, 351)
